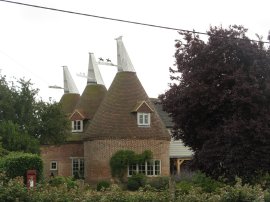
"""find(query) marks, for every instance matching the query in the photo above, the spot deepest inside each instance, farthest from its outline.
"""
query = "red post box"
(31, 178)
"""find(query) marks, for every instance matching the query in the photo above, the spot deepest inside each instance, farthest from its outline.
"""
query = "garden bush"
(13, 190)
(133, 185)
(136, 181)
(17, 163)
(240, 192)
(103, 185)
(69, 182)
(183, 187)
(206, 183)
(159, 183)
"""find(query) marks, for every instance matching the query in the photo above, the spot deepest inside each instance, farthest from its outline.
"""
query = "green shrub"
(240, 192)
(159, 183)
(133, 185)
(69, 182)
(17, 163)
(262, 179)
(136, 181)
(183, 187)
(13, 190)
(56, 181)
(266, 196)
(103, 185)
(206, 183)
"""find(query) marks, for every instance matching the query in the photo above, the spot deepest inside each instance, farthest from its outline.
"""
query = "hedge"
(17, 163)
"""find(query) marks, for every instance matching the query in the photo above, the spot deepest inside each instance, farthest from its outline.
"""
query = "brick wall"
(99, 152)
(62, 154)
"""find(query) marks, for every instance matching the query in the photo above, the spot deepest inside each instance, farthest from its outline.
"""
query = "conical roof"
(69, 84)
(116, 118)
(71, 94)
(94, 91)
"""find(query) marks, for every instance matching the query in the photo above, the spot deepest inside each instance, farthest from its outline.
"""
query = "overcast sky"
(36, 43)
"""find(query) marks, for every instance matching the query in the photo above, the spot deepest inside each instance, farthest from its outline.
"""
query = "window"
(77, 126)
(53, 165)
(78, 168)
(143, 119)
(132, 169)
(149, 168)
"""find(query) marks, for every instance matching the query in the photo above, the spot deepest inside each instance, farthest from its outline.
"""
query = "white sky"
(36, 43)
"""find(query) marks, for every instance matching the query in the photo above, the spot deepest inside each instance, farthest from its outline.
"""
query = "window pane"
(79, 125)
(75, 167)
(53, 165)
(132, 169)
(141, 118)
(142, 168)
(78, 168)
(150, 168)
(157, 167)
(81, 168)
(146, 119)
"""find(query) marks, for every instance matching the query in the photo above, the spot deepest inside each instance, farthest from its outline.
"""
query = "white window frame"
(75, 126)
(81, 162)
(143, 119)
(53, 163)
(136, 168)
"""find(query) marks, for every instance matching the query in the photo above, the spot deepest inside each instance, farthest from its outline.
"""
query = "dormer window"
(143, 119)
(77, 121)
(77, 126)
(143, 111)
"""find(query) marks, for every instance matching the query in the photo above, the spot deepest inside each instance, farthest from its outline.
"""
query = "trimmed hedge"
(17, 163)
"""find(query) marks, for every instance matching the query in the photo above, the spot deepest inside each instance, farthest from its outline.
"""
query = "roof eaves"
(77, 111)
(139, 104)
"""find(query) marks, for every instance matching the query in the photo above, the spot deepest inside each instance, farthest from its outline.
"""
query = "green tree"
(220, 102)
(15, 139)
(53, 126)
(26, 120)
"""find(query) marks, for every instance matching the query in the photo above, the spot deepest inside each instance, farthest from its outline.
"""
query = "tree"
(53, 126)
(220, 102)
(25, 121)
(14, 139)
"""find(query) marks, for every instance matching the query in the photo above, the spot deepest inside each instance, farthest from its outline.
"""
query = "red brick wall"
(99, 152)
(61, 154)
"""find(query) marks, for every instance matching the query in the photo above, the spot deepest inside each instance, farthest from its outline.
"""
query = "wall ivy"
(122, 158)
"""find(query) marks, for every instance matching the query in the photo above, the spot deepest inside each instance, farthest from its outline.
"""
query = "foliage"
(102, 185)
(159, 183)
(15, 190)
(206, 183)
(16, 140)
(60, 180)
(183, 187)
(3, 151)
(240, 192)
(198, 180)
(136, 181)
(52, 121)
(24, 117)
(16, 164)
(122, 158)
(220, 102)
(12, 190)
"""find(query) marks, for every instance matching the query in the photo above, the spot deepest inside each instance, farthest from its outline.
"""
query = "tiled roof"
(90, 100)
(115, 119)
(69, 101)
(167, 120)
